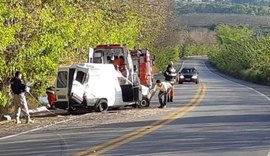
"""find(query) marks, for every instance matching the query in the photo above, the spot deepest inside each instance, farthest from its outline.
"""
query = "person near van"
(119, 61)
(170, 76)
(164, 89)
(120, 79)
(19, 89)
(51, 97)
(109, 59)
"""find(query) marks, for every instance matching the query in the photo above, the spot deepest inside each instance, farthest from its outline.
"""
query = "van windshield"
(62, 79)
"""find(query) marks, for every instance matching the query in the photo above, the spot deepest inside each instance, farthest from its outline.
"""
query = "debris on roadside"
(7, 117)
(39, 109)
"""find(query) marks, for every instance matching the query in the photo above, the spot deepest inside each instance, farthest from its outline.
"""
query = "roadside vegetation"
(38, 36)
(242, 53)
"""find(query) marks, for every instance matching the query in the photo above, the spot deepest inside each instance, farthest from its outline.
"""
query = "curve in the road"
(118, 141)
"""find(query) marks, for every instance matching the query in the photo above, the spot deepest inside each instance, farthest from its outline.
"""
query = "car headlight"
(181, 77)
(194, 77)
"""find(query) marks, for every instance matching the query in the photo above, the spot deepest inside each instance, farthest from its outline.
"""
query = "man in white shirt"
(164, 89)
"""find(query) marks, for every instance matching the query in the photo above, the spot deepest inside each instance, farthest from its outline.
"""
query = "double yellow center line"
(121, 140)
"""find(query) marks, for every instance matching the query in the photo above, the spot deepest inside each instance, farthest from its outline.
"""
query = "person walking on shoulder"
(19, 89)
(163, 88)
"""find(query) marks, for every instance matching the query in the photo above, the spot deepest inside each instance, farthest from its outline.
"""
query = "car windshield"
(188, 70)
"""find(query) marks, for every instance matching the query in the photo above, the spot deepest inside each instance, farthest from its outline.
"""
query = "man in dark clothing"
(170, 75)
(19, 89)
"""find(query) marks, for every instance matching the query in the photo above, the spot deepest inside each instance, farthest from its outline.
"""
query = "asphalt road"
(221, 116)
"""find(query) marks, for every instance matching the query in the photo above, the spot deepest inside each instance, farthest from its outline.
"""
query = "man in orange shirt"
(119, 61)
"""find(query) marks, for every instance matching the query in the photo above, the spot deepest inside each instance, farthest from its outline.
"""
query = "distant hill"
(211, 20)
(256, 2)
(260, 9)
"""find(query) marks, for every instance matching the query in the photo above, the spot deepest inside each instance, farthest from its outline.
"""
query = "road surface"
(220, 116)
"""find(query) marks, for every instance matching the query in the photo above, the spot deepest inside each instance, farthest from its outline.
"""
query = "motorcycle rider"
(170, 76)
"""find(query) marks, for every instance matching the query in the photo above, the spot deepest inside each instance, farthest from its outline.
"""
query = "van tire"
(144, 102)
(102, 106)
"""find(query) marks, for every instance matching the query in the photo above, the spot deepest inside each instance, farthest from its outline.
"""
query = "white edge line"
(39, 128)
(255, 91)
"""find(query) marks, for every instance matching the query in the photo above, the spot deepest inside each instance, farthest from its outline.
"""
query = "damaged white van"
(98, 87)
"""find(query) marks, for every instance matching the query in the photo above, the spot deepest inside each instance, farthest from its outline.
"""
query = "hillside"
(211, 20)
(224, 7)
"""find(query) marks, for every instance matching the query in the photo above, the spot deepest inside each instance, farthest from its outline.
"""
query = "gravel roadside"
(90, 118)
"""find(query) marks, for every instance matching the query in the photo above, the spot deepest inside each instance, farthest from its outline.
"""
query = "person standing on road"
(163, 88)
(51, 97)
(170, 76)
(19, 88)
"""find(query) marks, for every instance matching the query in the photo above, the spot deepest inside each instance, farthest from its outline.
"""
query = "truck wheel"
(101, 106)
(144, 102)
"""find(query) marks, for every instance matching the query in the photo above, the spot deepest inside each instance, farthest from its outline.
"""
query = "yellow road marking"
(118, 141)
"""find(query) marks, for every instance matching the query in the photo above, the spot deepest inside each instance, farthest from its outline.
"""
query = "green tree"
(229, 34)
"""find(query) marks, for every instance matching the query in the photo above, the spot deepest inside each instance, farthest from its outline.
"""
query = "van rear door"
(61, 89)
(78, 85)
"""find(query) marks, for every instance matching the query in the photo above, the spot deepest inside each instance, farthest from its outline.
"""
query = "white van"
(97, 86)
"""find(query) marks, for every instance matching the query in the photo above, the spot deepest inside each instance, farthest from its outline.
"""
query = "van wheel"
(101, 106)
(144, 102)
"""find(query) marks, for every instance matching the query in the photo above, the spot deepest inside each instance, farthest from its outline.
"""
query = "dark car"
(188, 74)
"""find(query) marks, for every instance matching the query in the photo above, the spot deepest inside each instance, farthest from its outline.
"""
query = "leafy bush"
(243, 55)
(199, 49)
(4, 100)
(166, 55)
